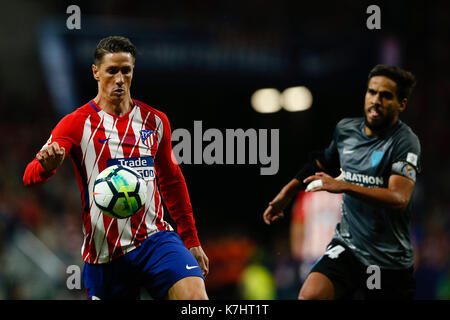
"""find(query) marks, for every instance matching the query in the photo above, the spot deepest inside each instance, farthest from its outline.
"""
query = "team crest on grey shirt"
(377, 155)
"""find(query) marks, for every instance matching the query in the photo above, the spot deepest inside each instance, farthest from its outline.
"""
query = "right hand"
(202, 259)
(51, 157)
(275, 209)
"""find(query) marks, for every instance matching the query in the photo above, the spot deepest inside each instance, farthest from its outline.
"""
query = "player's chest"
(367, 162)
(113, 142)
(127, 142)
(122, 137)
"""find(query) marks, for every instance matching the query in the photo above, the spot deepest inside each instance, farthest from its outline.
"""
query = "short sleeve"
(406, 159)
(331, 154)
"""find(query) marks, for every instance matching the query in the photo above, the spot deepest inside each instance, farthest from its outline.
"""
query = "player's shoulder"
(78, 115)
(71, 125)
(405, 134)
(147, 108)
(82, 112)
(350, 123)
(348, 127)
(407, 130)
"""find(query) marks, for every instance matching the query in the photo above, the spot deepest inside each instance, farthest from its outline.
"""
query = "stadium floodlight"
(266, 100)
(296, 99)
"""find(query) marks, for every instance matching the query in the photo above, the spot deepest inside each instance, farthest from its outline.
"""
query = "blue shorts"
(157, 264)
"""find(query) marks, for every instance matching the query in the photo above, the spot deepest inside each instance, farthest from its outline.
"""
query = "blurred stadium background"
(203, 60)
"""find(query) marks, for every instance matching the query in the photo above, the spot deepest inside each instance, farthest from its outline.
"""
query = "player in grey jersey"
(378, 156)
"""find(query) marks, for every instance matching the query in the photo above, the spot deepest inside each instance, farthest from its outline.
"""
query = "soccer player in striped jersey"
(380, 157)
(122, 255)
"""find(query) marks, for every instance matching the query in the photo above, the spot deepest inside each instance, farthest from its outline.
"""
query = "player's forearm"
(291, 189)
(187, 230)
(176, 197)
(285, 196)
(180, 211)
(383, 197)
(35, 174)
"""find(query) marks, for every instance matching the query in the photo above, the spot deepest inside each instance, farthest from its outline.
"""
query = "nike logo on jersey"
(191, 267)
(103, 140)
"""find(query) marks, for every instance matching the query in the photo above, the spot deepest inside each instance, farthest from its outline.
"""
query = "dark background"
(202, 60)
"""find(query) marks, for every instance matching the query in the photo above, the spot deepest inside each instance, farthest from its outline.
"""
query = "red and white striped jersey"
(95, 139)
(318, 212)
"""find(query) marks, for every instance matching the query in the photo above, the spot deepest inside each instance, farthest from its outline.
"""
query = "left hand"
(202, 259)
(329, 183)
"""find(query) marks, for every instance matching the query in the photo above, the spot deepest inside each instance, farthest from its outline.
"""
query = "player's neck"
(377, 133)
(117, 107)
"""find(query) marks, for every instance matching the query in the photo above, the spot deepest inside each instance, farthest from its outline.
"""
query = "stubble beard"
(380, 125)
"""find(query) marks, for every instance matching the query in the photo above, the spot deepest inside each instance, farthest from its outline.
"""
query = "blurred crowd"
(241, 267)
(40, 228)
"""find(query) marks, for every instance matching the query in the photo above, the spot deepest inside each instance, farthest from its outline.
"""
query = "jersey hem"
(124, 250)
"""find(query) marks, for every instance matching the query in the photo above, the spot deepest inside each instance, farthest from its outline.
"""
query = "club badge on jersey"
(147, 137)
(377, 155)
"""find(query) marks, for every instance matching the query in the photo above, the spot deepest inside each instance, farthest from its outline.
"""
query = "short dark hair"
(405, 80)
(113, 44)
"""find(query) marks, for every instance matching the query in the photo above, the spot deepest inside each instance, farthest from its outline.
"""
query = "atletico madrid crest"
(147, 137)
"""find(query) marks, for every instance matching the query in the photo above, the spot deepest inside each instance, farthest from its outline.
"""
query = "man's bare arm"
(395, 196)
